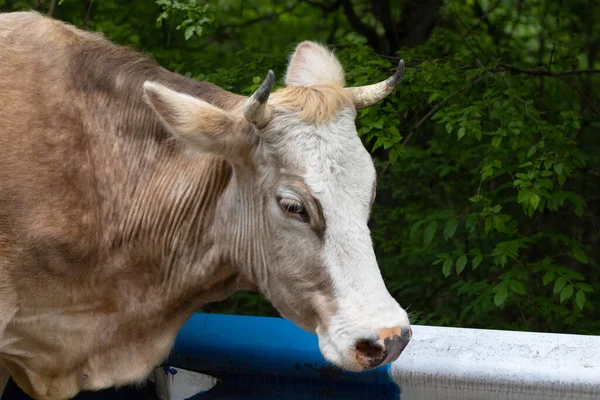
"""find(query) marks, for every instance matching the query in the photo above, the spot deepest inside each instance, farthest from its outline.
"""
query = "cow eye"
(293, 207)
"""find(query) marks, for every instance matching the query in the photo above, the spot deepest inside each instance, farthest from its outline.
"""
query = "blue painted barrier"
(269, 358)
(12, 392)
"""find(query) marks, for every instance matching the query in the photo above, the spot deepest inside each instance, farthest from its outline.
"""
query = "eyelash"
(293, 208)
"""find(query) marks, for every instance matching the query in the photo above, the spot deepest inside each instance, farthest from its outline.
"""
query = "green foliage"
(488, 153)
(195, 14)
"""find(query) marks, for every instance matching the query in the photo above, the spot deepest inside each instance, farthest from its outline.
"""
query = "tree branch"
(417, 21)
(325, 7)
(88, 14)
(8, 6)
(510, 69)
(504, 68)
(369, 33)
(540, 72)
(265, 17)
(484, 18)
(440, 105)
(383, 12)
(581, 93)
(51, 8)
(334, 28)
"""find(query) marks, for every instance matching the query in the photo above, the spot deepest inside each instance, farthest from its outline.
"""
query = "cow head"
(295, 216)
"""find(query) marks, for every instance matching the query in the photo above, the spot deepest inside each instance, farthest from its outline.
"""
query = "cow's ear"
(207, 128)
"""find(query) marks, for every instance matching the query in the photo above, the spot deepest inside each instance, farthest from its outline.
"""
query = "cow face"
(298, 208)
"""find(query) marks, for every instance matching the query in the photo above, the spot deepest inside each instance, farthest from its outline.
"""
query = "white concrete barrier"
(461, 363)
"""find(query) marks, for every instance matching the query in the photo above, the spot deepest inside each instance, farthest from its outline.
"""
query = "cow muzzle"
(360, 348)
(373, 352)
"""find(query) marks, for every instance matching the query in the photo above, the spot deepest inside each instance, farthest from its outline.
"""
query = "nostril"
(370, 350)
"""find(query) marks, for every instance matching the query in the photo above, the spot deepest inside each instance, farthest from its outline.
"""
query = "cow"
(131, 196)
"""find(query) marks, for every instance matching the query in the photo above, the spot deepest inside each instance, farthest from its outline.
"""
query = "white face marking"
(340, 173)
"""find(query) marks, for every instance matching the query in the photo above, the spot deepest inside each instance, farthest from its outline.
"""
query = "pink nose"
(373, 352)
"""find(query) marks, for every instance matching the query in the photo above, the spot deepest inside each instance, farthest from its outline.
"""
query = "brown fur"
(111, 232)
(87, 219)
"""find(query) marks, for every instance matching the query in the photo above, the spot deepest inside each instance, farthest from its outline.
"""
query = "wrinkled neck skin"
(241, 229)
(199, 216)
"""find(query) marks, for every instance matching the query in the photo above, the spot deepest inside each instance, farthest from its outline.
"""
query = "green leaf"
(585, 287)
(562, 179)
(433, 96)
(496, 141)
(447, 267)
(517, 287)
(580, 299)
(534, 200)
(558, 168)
(577, 201)
(415, 227)
(429, 232)
(461, 262)
(471, 222)
(450, 228)
(503, 250)
(531, 151)
(449, 127)
(393, 156)
(548, 277)
(477, 260)
(438, 115)
(445, 171)
(189, 31)
(580, 255)
(378, 144)
(461, 132)
(523, 195)
(559, 284)
(501, 295)
(566, 293)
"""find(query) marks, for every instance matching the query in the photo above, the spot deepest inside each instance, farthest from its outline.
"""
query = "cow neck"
(169, 198)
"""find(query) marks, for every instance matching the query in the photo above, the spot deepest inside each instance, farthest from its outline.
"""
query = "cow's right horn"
(256, 109)
(365, 96)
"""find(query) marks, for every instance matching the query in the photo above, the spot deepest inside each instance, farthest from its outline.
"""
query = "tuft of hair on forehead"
(315, 84)
(315, 104)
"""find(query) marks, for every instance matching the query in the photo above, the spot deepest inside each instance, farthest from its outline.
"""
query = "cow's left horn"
(365, 96)
(256, 109)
